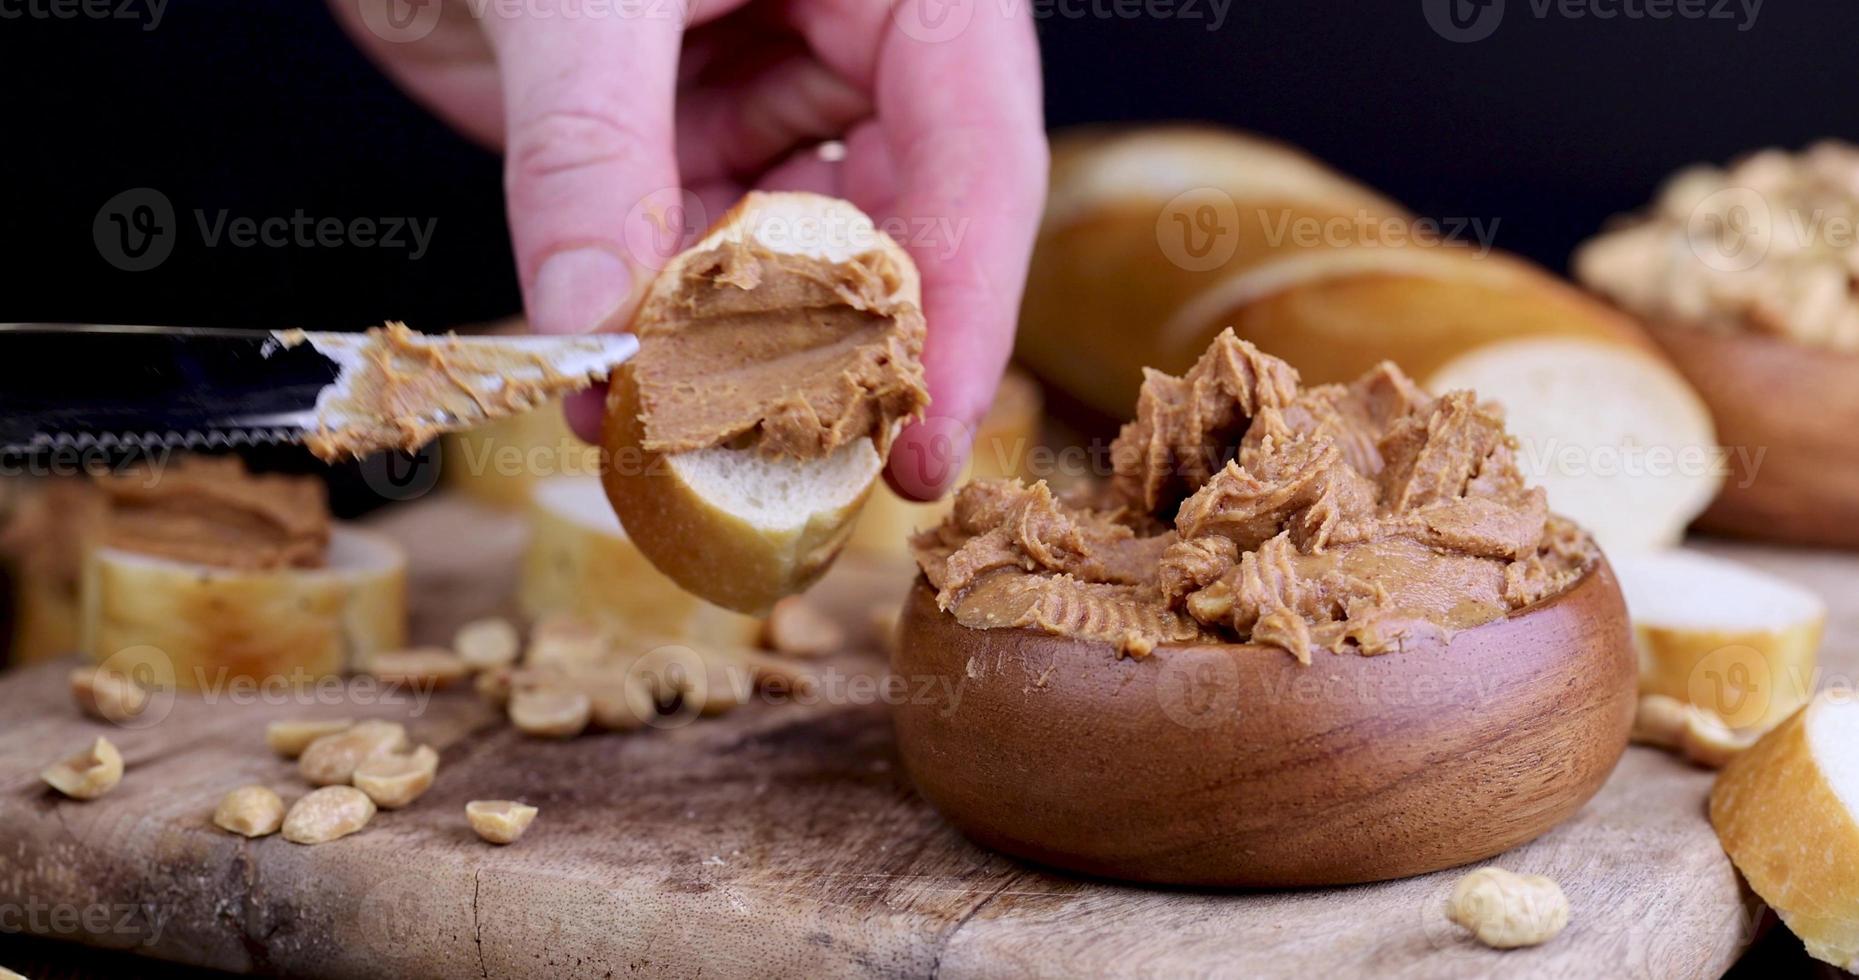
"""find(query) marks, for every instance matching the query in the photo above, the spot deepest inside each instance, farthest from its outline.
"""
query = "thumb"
(590, 172)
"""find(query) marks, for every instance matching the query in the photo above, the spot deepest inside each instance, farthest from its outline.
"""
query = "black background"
(261, 107)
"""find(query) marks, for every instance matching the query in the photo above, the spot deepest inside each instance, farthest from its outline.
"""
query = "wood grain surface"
(780, 840)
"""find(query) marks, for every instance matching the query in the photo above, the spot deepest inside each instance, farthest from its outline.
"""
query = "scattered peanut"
(499, 821)
(107, 695)
(327, 814)
(798, 627)
(290, 738)
(1505, 910)
(393, 781)
(429, 666)
(550, 712)
(566, 640)
(332, 759)
(250, 811)
(494, 685)
(1699, 735)
(88, 774)
(486, 643)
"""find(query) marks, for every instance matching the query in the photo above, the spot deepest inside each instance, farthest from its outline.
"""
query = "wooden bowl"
(1233, 765)
(1789, 414)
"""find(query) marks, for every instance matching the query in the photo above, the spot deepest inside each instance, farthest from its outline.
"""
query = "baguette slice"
(581, 563)
(729, 524)
(1785, 810)
(1731, 640)
(203, 625)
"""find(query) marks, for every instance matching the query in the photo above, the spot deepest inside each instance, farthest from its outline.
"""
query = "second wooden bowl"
(1235, 766)
(1789, 416)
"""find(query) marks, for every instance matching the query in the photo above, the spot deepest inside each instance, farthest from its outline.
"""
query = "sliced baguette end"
(725, 524)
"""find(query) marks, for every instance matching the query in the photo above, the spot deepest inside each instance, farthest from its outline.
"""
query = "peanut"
(332, 759)
(250, 811)
(289, 738)
(327, 814)
(550, 712)
(88, 774)
(494, 685)
(429, 666)
(558, 640)
(486, 643)
(1505, 910)
(499, 821)
(107, 695)
(797, 627)
(393, 781)
(1699, 735)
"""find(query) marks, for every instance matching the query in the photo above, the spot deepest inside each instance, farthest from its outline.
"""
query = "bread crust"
(1235, 766)
(1785, 827)
(198, 626)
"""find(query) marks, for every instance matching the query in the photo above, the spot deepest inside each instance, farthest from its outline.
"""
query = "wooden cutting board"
(780, 840)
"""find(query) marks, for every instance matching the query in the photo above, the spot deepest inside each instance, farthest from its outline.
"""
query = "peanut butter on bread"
(210, 511)
(792, 354)
(1367, 517)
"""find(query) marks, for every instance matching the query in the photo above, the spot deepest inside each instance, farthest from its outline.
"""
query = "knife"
(85, 386)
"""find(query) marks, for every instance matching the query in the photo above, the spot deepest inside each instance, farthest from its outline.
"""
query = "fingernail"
(577, 291)
(929, 456)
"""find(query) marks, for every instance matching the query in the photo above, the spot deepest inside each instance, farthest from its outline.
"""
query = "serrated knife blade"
(84, 387)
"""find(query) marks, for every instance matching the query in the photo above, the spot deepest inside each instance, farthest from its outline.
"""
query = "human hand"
(618, 117)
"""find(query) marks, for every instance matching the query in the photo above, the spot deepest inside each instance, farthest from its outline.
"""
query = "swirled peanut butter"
(1367, 517)
(209, 510)
(791, 354)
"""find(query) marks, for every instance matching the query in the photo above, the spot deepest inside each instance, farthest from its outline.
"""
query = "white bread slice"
(1735, 642)
(199, 625)
(581, 563)
(727, 524)
(1787, 814)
